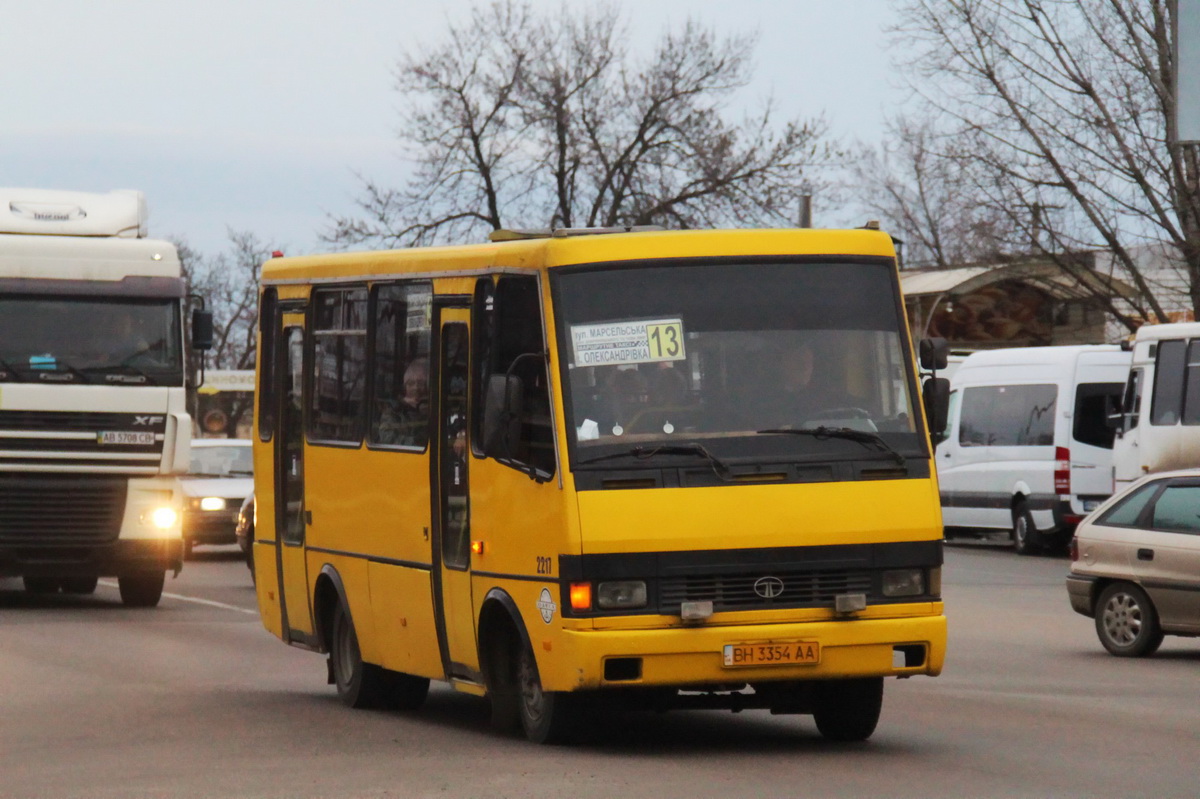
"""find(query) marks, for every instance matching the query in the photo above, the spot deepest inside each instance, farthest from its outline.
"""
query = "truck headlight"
(212, 503)
(903, 582)
(162, 518)
(621, 594)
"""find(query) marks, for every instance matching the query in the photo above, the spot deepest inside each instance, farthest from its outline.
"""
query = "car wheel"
(1023, 530)
(141, 589)
(41, 585)
(848, 710)
(548, 717)
(1127, 622)
(80, 585)
(359, 684)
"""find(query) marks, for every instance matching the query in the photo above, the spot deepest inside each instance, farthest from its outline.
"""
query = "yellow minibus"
(575, 469)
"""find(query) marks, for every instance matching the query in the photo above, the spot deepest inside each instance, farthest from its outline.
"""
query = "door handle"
(1145, 554)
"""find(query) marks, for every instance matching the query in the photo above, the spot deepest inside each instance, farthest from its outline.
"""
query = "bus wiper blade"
(719, 467)
(849, 433)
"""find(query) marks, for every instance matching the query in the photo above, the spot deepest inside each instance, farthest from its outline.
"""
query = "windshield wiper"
(242, 471)
(848, 433)
(719, 467)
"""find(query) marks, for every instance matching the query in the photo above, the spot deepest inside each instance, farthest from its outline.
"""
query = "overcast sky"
(254, 115)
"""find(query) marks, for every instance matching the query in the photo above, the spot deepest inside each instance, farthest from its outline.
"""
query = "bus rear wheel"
(359, 684)
(848, 710)
(547, 717)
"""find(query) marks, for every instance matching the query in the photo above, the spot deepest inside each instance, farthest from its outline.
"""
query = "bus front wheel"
(141, 589)
(848, 710)
(548, 717)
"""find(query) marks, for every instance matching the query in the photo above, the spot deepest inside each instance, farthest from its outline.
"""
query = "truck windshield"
(90, 340)
(737, 356)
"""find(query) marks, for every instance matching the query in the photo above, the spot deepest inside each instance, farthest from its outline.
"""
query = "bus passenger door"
(451, 510)
(289, 484)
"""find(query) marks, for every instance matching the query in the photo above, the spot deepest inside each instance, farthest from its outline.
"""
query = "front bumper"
(210, 527)
(692, 656)
(103, 560)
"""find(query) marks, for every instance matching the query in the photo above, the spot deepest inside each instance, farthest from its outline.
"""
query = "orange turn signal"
(581, 596)
(477, 547)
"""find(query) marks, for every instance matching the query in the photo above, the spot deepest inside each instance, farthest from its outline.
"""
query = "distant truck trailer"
(93, 424)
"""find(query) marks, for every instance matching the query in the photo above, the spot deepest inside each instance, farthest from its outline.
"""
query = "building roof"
(1049, 277)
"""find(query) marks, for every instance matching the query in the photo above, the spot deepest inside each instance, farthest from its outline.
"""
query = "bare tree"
(229, 282)
(1067, 112)
(526, 120)
(917, 182)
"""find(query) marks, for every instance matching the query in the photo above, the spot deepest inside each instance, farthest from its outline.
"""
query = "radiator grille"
(60, 510)
(737, 591)
(66, 421)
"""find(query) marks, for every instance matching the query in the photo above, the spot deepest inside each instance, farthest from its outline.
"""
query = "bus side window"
(510, 339)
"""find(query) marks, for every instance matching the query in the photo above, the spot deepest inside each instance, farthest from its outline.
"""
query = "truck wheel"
(141, 589)
(548, 717)
(848, 710)
(41, 585)
(1023, 530)
(80, 585)
(1126, 621)
(359, 685)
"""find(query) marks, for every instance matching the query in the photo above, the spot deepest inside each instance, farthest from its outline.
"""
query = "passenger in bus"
(406, 421)
(626, 396)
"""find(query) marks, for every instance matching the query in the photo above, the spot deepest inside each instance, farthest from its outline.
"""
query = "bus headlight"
(161, 518)
(903, 582)
(212, 503)
(622, 594)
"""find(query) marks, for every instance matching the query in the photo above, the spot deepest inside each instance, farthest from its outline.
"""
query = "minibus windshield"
(738, 356)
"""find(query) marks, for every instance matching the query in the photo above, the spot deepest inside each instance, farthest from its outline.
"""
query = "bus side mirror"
(934, 353)
(202, 329)
(935, 396)
(502, 416)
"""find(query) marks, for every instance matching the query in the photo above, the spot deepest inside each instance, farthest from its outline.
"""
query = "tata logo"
(768, 587)
(147, 421)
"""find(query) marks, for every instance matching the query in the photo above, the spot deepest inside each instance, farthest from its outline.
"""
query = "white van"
(1164, 378)
(1027, 445)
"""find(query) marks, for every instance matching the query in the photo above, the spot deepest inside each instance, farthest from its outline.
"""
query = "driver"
(800, 393)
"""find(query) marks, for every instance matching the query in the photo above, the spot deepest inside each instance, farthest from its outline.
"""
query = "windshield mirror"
(89, 339)
(219, 461)
(726, 353)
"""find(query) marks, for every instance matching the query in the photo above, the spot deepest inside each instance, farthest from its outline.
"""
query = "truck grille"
(786, 589)
(60, 510)
(71, 441)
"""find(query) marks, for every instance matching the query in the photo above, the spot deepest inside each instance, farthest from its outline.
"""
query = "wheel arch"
(328, 592)
(499, 622)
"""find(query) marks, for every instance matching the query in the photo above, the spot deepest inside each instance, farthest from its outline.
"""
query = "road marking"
(195, 599)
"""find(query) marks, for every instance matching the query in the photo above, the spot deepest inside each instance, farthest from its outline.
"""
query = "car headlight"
(212, 503)
(621, 594)
(903, 582)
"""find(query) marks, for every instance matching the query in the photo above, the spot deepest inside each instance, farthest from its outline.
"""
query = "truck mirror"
(202, 329)
(502, 416)
(935, 396)
(934, 352)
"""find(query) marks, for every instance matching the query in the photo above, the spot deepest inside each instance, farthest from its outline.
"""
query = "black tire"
(848, 710)
(359, 685)
(1127, 622)
(41, 585)
(547, 717)
(1024, 531)
(141, 589)
(80, 585)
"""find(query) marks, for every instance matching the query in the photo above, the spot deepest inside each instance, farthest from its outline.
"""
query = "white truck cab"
(93, 423)
(1159, 420)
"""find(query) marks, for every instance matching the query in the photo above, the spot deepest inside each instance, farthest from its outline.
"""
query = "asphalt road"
(195, 699)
